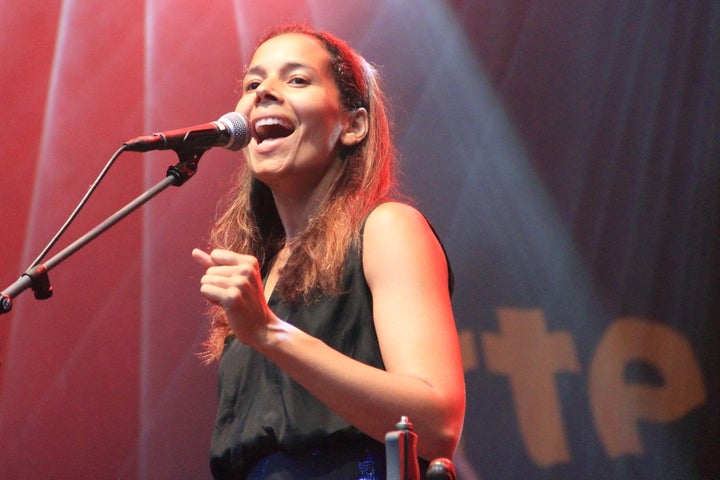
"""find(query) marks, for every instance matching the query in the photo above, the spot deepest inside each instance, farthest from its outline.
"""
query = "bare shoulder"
(398, 238)
(395, 217)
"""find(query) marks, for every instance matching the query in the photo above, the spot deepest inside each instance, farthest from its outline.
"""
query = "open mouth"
(272, 127)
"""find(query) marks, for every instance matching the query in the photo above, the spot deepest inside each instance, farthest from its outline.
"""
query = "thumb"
(202, 258)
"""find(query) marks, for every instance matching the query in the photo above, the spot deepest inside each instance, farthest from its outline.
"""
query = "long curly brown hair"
(249, 221)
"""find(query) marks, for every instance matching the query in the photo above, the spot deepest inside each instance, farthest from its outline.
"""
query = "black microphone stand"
(36, 277)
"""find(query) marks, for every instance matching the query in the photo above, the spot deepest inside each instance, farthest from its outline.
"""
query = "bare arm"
(407, 275)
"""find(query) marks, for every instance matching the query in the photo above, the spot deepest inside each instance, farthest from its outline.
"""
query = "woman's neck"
(296, 208)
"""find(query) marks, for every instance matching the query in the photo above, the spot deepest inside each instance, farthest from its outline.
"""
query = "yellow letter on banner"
(618, 406)
(530, 356)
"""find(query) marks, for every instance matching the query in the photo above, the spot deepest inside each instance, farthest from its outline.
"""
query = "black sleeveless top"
(261, 410)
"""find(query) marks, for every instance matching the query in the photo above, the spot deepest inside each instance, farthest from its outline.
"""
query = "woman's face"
(295, 112)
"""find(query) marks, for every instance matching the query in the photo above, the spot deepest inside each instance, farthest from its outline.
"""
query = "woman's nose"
(265, 92)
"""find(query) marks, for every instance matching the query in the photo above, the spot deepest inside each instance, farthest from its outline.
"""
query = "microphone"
(231, 131)
(441, 469)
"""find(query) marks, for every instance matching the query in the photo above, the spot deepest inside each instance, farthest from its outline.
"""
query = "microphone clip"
(39, 281)
(187, 166)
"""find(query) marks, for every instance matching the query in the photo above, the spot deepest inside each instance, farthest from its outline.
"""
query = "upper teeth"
(272, 121)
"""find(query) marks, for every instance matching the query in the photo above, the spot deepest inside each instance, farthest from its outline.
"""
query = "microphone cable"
(79, 207)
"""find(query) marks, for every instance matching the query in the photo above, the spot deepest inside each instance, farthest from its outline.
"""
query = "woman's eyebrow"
(256, 70)
(259, 70)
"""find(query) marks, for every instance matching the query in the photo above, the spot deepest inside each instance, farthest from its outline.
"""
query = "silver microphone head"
(238, 127)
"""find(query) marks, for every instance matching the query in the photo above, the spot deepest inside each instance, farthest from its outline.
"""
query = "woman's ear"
(356, 128)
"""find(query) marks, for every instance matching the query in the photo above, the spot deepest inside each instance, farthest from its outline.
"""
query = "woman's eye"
(251, 85)
(299, 81)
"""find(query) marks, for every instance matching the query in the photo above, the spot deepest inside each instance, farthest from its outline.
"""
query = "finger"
(213, 294)
(240, 270)
(227, 257)
(230, 297)
(225, 281)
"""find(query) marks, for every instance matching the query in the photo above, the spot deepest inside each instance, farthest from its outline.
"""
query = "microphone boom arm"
(36, 277)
